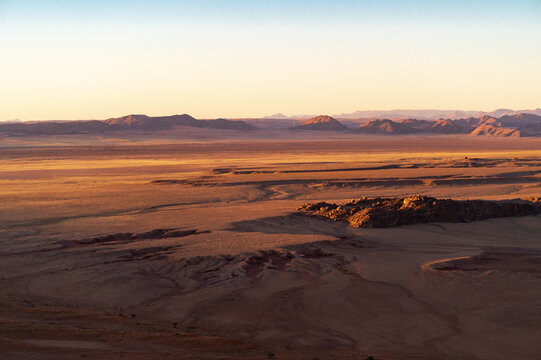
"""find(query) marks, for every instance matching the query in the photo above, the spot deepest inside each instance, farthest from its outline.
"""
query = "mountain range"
(130, 122)
(516, 125)
(506, 125)
(414, 114)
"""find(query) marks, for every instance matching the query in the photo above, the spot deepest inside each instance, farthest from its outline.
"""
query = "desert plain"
(195, 250)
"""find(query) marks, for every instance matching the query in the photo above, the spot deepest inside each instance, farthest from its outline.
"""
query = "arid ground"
(195, 250)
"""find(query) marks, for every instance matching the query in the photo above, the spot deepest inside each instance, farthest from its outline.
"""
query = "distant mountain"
(492, 130)
(507, 125)
(498, 113)
(405, 114)
(321, 122)
(487, 120)
(125, 123)
(417, 124)
(225, 124)
(422, 114)
(508, 112)
(385, 126)
(446, 126)
(144, 122)
(276, 116)
(521, 121)
(522, 124)
(525, 124)
(53, 127)
(268, 123)
(430, 114)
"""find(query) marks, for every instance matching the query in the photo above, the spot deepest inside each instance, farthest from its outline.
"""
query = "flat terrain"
(195, 250)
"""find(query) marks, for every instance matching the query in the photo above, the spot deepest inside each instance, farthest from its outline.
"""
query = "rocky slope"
(388, 212)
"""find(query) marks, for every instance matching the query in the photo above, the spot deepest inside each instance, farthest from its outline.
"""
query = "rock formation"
(388, 212)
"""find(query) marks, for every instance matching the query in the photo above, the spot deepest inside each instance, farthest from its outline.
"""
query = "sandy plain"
(194, 250)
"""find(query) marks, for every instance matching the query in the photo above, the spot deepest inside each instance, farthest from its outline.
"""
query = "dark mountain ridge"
(506, 125)
(523, 125)
(135, 122)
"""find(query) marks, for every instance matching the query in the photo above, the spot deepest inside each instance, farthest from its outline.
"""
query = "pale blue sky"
(96, 59)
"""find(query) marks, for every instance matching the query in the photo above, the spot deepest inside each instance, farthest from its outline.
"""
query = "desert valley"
(171, 237)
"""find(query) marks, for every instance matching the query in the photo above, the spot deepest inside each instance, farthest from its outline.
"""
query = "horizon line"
(292, 117)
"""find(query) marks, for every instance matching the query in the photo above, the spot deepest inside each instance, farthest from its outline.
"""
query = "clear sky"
(71, 59)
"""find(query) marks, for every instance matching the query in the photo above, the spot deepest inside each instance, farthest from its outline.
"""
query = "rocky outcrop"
(388, 212)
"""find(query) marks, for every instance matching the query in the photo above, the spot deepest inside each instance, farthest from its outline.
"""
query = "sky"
(98, 59)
